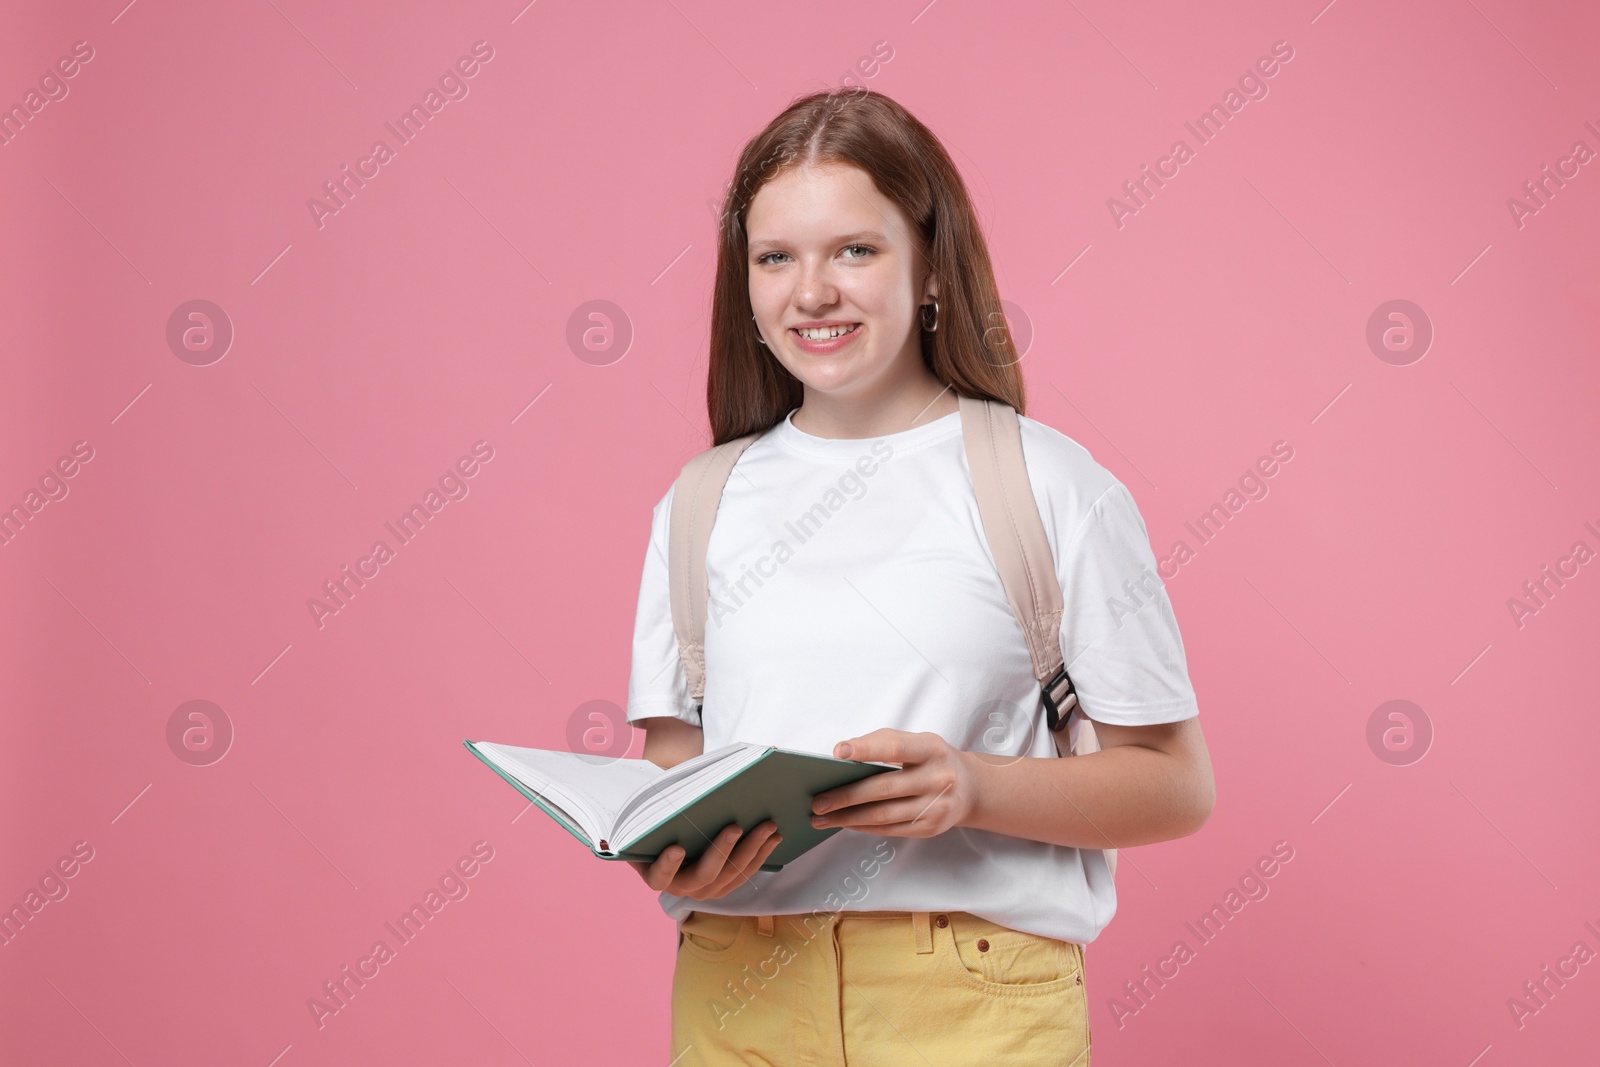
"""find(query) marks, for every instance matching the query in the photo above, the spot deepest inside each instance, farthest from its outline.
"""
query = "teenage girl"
(856, 610)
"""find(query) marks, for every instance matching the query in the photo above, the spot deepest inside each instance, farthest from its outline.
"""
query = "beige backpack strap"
(993, 438)
(695, 497)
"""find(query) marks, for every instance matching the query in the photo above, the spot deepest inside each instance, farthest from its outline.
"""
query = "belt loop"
(764, 925)
(922, 930)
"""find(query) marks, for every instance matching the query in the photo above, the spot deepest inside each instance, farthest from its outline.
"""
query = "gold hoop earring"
(935, 327)
(758, 332)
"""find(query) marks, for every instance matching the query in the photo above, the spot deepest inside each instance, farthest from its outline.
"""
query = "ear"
(931, 289)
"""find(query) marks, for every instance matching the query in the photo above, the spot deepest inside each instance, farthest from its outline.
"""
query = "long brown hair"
(970, 351)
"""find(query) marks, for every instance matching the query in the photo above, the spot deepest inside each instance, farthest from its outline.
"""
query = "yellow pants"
(866, 989)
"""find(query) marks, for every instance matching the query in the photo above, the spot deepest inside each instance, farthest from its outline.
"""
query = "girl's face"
(827, 249)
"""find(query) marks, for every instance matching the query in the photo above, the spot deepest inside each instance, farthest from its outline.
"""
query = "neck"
(821, 415)
(831, 416)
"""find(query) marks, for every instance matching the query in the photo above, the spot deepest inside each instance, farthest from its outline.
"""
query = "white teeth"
(824, 333)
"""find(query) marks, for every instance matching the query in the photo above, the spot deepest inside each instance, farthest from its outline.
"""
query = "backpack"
(992, 436)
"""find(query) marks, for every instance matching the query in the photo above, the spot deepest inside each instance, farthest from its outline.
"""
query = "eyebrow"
(860, 235)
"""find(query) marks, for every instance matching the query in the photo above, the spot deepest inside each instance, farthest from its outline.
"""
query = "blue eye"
(762, 260)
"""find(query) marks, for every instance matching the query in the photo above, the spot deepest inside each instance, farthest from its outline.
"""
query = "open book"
(630, 809)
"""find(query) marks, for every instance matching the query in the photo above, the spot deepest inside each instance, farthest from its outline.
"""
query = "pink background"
(1227, 314)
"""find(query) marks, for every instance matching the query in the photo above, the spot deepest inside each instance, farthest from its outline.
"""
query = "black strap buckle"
(1058, 707)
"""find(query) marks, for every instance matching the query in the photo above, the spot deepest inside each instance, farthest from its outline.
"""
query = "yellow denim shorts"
(874, 988)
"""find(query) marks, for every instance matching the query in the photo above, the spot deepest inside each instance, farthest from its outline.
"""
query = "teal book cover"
(778, 785)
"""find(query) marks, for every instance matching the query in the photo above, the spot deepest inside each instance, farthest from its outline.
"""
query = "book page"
(682, 785)
(670, 780)
(590, 790)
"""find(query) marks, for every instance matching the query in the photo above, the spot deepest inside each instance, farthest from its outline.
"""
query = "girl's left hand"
(934, 789)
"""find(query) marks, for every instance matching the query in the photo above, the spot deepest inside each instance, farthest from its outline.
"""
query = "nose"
(815, 288)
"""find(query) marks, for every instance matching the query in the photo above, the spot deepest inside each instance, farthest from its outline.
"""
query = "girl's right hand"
(725, 866)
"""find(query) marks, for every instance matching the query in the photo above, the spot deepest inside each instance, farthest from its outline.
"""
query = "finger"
(920, 808)
(710, 863)
(748, 845)
(741, 867)
(659, 874)
(751, 843)
(763, 854)
(888, 746)
(880, 744)
(902, 783)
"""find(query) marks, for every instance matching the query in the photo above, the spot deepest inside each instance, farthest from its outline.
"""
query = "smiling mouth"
(829, 333)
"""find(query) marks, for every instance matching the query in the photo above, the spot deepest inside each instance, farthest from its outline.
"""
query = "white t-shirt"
(852, 588)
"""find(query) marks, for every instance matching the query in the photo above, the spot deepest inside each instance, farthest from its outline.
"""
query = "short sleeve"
(656, 683)
(1119, 636)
